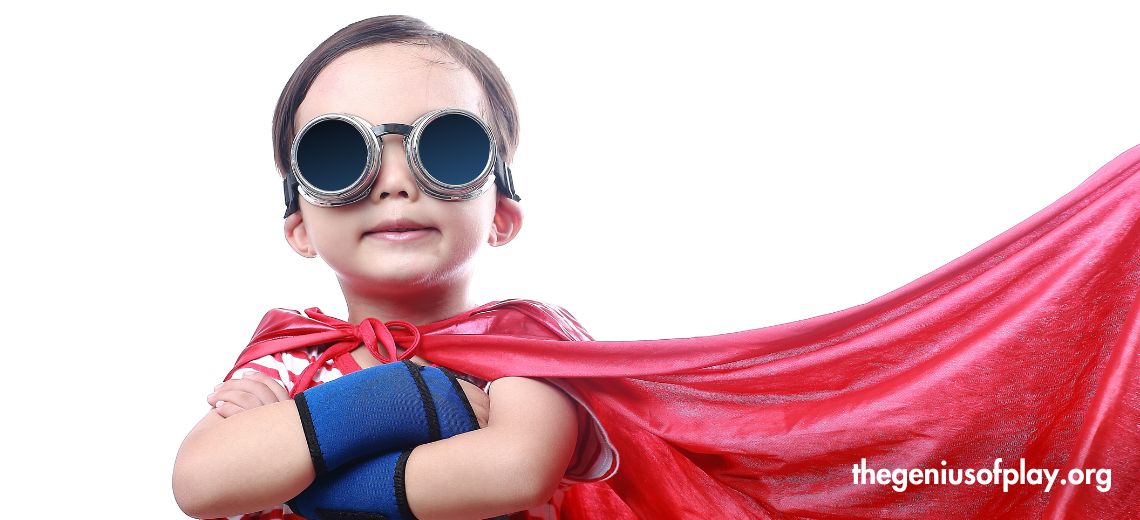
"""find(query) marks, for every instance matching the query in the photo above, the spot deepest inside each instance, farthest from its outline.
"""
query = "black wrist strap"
(401, 489)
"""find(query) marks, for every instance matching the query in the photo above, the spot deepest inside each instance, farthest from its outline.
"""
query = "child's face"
(396, 84)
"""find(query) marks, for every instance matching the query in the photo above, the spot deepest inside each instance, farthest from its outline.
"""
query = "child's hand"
(253, 389)
(480, 403)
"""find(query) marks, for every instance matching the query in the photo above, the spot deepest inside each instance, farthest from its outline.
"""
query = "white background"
(684, 172)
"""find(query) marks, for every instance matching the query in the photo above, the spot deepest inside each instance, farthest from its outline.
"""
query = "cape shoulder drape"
(1024, 348)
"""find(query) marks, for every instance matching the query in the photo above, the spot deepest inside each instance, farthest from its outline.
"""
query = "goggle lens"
(332, 155)
(454, 149)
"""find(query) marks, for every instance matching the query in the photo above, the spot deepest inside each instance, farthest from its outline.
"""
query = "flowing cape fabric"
(1024, 348)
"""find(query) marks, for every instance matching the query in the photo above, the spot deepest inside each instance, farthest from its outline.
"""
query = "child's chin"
(395, 280)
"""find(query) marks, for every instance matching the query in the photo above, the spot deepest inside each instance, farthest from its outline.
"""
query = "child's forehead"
(391, 83)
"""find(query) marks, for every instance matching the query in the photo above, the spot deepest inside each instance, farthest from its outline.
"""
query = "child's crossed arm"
(251, 454)
(254, 389)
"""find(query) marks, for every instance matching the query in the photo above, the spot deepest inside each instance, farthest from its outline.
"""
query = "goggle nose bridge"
(391, 128)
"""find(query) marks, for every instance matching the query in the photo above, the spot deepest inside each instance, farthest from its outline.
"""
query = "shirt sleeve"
(273, 366)
(286, 367)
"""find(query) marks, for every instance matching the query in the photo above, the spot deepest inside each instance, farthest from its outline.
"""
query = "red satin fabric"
(1025, 347)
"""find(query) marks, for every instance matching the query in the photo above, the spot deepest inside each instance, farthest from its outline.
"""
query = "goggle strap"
(291, 185)
(505, 181)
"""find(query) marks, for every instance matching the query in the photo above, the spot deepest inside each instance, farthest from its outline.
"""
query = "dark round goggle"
(335, 158)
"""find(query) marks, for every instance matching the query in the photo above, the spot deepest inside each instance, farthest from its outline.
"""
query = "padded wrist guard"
(371, 488)
(380, 409)
(366, 489)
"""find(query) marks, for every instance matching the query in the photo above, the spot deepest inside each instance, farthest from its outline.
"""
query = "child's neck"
(417, 309)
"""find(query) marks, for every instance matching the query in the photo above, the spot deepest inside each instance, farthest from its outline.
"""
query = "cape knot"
(374, 333)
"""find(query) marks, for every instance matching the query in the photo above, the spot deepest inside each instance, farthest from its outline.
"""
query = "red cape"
(1024, 348)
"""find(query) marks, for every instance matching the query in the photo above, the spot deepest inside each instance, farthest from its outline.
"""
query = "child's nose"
(396, 178)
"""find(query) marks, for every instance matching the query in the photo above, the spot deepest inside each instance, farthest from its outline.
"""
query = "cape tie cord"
(372, 332)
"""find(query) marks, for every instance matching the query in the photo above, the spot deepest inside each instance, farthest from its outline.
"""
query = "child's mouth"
(400, 234)
(399, 229)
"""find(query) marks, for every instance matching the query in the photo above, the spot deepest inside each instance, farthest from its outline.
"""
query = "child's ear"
(298, 236)
(507, 221)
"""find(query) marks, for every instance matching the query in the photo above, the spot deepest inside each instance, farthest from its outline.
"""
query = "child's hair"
(502, 111)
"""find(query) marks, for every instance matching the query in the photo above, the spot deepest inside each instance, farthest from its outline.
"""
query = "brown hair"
(504, 119)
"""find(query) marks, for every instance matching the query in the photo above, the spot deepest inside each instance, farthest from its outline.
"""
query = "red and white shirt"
(594, 458)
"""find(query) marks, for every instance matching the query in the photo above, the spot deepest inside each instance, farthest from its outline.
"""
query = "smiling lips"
(400, 229)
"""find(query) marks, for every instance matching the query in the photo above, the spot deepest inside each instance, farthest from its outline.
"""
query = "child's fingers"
(273, 384)
(251, 386)
(240, 398)
(228, 409)
(480, 402)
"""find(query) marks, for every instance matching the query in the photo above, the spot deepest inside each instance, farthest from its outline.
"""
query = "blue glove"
(380, 409)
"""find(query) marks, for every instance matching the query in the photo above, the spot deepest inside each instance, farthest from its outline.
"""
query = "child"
(1022, 350)
(402, 245)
